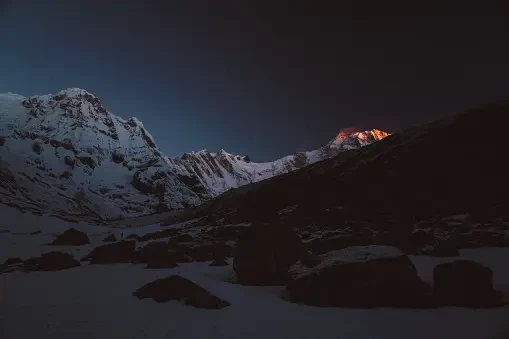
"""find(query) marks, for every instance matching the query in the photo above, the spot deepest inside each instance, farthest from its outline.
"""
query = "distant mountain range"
(66, 155)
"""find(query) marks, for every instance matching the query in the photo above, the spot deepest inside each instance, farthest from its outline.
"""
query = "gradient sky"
(262, 80)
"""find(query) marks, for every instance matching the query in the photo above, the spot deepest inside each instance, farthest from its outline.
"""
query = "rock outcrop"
(176, 287)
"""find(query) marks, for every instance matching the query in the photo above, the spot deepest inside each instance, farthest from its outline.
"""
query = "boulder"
(159, 234)
(176, 287)
(420, 238)
(69, 161)
(183, 238)
(167, 261)
(117, 157)
(110, 238)
(180, 255)
(223, 233)
(207, 251)
(361, 277)
(152, 251)
(13, 261)
(37, 148)
(52, 261)
(265, 252)
(118, 252)
(465, 283)
(337, 242)
(445, 248)
(11, 265)
(218, 262)
(71, 237)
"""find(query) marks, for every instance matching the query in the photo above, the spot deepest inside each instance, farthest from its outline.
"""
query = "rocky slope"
(442, 183)
(65, 154)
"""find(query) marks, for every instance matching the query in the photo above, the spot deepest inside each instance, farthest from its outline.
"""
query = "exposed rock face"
(363, 277)
(465, 283)
(417, 190)
(117, 163)
(176, 287)
(71, 237)
(119, 252)
(265, 252)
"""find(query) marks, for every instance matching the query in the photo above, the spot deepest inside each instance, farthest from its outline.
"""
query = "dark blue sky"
(259, 80)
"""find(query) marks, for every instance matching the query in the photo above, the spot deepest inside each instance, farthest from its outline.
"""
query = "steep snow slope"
(65, 154)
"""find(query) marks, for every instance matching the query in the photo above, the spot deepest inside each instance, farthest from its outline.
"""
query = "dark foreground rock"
(176, 287)
(265, 252)
(110, 238)
(207, 251)
(363, 277)
(218, 263)
(12, 265)
(162, 262)
(445, 248)
(156, 255)
(13, 261)
(52, 261)
(465, 283)
(150, 251)
(119, 252)
(71, 237)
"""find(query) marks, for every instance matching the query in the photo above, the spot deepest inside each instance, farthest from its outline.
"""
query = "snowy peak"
(67, 154)
(347, 139)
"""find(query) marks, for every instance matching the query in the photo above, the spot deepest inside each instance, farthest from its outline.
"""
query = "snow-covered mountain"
(65, 154)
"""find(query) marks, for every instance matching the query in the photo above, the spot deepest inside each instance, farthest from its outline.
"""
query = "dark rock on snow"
(167, 261)
(52, 261)
(445, 248)
(363, 277)
(151, 251)
(420, 238)
(71, 237)
(207, 251)
(69, 161)
(265, 252)
(184, 238)
(219, 262)
(465, 283)
(118, 252)
(178, 288)
(159, 234)
(13, 261)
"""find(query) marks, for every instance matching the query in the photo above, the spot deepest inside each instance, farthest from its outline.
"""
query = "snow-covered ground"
(95, 301)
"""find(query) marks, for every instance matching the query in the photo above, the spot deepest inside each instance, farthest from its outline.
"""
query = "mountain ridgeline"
(66, 155)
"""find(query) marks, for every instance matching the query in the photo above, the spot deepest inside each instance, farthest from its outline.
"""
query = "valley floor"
(95, 301)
